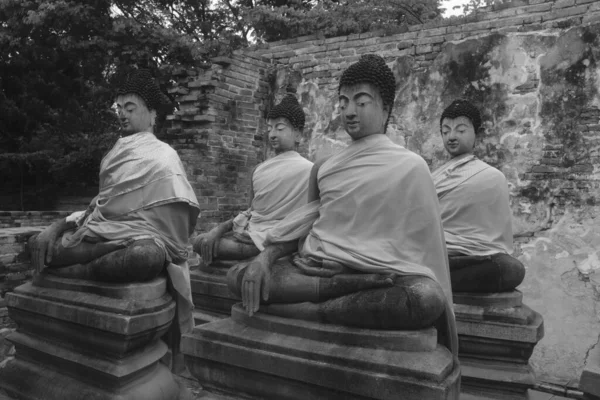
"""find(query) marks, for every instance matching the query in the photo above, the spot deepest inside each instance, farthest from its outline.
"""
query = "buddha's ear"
(153, 115)
(297, 133)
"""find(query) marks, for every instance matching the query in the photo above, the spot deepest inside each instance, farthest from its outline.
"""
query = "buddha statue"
(475, 209)
(278, 186)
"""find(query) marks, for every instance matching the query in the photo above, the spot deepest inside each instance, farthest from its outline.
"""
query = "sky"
(448, 4)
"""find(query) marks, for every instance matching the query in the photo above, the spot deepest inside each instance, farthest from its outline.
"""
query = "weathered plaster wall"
(533, 68)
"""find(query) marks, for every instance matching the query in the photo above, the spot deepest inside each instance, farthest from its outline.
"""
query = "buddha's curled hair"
(462, 108)
(372, 69)
(141, 83)
(292, 110)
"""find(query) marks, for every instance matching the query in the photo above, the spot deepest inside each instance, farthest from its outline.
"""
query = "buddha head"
(285, 123)
(459, 124)
(366, 95)
(138, 101)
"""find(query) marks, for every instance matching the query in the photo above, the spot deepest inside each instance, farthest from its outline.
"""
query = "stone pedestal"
(81, 340)
(270, 357)
(496, 334)
(212, 298)
(590, 378)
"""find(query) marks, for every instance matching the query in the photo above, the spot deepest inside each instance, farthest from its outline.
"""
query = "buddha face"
(134, 115)
(282, 135)
(362, 110)
(458, 135)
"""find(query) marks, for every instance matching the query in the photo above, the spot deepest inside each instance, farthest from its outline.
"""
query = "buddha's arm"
(313, 183)
(42, 246)
(257, 278)
(251, 194)
(207, 244)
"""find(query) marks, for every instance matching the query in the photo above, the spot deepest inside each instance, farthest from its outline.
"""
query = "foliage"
(337, 18)
(223, 25)
(60, 63)
(473, 6)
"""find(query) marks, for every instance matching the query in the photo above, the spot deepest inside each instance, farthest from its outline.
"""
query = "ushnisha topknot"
(462, 108)
(372, 69)
(140, 82)
(292, 110)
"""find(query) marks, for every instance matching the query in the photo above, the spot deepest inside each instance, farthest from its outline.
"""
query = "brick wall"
(16, 219)
(217, 131)
(324, 58)
(15, 267)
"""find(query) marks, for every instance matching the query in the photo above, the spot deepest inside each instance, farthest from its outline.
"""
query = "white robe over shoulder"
(475, 209)
(280, 186)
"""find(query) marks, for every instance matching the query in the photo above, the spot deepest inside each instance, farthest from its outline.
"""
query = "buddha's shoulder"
(492, 172)
(163, 154)
(410, 157)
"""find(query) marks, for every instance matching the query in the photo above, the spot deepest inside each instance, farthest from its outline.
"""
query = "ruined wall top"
(513, 16)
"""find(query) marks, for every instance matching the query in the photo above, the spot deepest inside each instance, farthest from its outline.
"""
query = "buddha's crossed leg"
(109, 261)
(485, 274)
(371, 301)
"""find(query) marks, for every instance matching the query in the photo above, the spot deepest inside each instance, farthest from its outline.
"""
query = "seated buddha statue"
(139, 224)
(475, 209)
(278, 187)
(367, 251)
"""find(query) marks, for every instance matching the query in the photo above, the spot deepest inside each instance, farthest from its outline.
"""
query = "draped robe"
(280, 186)
(475, 209)
(144, 193)
(377, 213)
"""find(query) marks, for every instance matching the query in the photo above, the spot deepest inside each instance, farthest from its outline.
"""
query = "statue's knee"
(430, 301)
(234, 278)
(512, 270)
(145, 259)
(197, 243)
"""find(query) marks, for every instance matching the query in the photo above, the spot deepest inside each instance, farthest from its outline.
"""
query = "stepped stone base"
(496, 334)
(269, 357)
(212, 298)
(79, 340)
(590, 378)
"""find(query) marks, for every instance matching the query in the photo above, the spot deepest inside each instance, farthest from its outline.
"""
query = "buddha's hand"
(207, 245)
(42, 246)
(255, 285)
